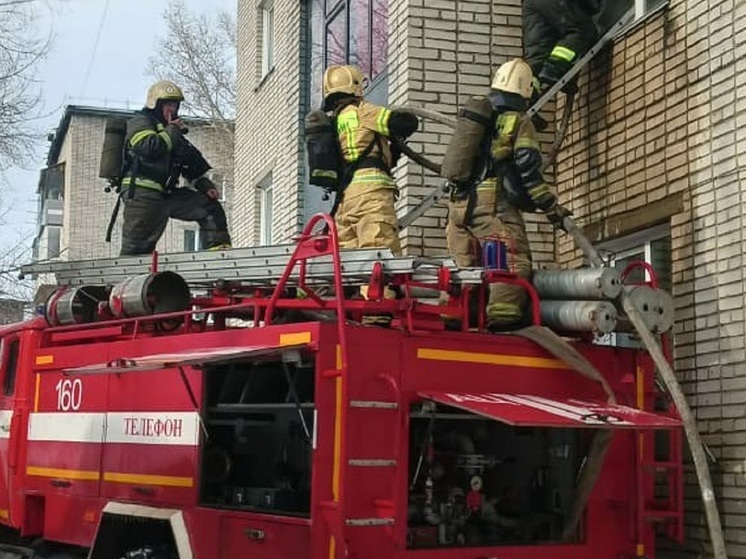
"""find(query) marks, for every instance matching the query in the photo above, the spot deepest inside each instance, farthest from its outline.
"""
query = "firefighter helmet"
(343, 79)
(514, 76)
(163, 90)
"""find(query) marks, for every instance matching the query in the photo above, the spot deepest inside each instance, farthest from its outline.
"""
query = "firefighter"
(365, 216)
(555, 34)
(491, 208)
(157, 156)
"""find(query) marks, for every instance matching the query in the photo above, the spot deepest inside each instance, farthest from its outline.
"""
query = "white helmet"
(514, 76)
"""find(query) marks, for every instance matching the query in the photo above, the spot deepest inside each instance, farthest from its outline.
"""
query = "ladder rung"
(661, 516)
(369, 522)
(371, 463)
(369, 404)
(661, 465)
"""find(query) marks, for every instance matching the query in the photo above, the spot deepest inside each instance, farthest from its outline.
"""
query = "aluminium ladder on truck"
(440, 192)
(257, 266)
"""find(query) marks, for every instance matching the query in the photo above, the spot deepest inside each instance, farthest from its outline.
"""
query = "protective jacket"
(556, 33)
(366, 128)
(158, 153)
(515, 140)
(366, 216)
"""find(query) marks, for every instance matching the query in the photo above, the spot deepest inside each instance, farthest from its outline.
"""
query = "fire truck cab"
(271, 422)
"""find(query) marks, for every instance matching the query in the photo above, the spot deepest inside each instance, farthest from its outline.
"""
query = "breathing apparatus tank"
(324, 156)
(461, 161)
(112, 152)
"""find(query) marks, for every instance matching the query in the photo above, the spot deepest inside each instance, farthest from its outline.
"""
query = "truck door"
(9, 352)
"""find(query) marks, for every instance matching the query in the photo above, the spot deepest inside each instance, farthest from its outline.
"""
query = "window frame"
(267, 45)
(640, 241)
(642, 13)
(343, 8)
(196, 239)
(266, 210)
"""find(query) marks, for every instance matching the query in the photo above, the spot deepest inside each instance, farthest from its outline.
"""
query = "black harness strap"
(350, 171)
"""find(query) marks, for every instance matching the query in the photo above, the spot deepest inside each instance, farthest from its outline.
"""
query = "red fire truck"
(179, 416)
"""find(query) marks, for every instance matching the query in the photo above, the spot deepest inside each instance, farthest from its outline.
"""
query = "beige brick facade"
(268, 123)
(658, 138)
(87, 208)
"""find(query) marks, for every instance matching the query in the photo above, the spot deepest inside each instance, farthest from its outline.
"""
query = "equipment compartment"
(478, 482)
(259, 423)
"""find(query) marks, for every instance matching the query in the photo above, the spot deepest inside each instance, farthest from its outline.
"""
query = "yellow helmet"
(514, 76)
(343, 79)
(165, 90)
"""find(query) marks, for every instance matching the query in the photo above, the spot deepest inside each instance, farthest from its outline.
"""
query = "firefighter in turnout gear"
(513, 182)
(365, 216)
(555, 34)
(157, 156)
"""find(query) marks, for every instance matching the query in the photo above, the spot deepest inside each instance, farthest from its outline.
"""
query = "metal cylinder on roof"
(579, 316)
(161, 292)
(647, 302)
(581, 284)
(664, 310)
(74, 305)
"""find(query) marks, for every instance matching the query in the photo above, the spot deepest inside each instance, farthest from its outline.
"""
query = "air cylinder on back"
(464, 148)
(581, 284)
(161, 292)
(110, 166)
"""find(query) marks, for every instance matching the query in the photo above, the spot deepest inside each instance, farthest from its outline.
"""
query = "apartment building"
(653, 167)
(74, 209)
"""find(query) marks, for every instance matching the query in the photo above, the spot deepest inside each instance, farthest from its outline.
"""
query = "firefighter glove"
(557, 215)
(553, 70)
(204, 185)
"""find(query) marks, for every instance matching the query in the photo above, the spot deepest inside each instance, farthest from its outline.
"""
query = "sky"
(99, 54)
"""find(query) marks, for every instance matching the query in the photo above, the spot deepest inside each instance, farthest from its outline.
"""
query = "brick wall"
(87, 207)
(660, 137)
(268, 121)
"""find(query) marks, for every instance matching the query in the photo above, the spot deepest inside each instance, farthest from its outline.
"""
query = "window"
(651, 245)
(612, 12)
(53, 242)
(268, 37)
(10, 364)
(348, 31)
(52, 183)
(191, 240)
(356, 33)
(266, 208)
(644, 7)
